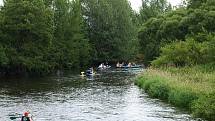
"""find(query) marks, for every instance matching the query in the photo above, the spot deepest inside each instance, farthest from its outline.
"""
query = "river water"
(108, 96)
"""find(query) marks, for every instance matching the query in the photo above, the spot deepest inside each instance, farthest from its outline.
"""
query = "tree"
(153, 8)
(71, 47)
(111, 30)
(27, 27)
(177, 25)
(195, 3)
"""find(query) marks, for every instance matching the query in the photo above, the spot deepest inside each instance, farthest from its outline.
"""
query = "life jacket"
(24, 118)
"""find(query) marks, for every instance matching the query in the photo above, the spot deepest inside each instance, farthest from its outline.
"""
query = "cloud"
(136, 4)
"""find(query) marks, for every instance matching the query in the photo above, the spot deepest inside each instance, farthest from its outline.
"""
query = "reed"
(191, 88)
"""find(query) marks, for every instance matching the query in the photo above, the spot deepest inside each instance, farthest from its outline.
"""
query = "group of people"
(104, 66)
(91, 71)
(120, 65)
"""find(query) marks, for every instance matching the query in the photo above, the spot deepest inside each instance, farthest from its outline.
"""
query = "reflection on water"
(108, 96)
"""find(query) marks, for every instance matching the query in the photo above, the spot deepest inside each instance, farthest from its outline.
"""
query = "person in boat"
(107, 65)
(26, 117)
(129, 64)
(118, 65)
(123, 64)
(82, 74)
(90, 71)
(102, 66)
(133, 64)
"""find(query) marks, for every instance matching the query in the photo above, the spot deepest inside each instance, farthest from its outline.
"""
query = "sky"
(135, 4)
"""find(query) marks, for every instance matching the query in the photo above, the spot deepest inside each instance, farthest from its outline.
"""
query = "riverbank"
(190, 88)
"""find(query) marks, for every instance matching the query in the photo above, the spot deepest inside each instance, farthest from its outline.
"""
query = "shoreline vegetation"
(41, 36)
(179, 45)
(190, 88)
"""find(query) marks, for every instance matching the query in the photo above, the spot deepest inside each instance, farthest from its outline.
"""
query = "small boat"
(102, 66)
(134, 66)
(90, 72)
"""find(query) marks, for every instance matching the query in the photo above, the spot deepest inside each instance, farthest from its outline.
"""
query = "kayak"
(136, 66)
(91, 74)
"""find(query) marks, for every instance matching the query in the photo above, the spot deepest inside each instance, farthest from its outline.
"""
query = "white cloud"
(1, 2)
(136, 4)
(175, 2)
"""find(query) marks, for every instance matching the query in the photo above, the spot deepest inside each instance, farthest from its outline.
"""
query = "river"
(108, 96)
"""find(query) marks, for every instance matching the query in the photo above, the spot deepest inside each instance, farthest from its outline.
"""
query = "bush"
(175, 53)
(159, 90)
(189, 52)
(205, 107)
(154, 86)
(3, 58)
(182, 97)
(144, 82)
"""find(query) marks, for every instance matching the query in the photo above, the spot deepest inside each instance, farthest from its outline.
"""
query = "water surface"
(108, 96)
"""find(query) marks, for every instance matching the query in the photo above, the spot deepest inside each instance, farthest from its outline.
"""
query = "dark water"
(108, 96)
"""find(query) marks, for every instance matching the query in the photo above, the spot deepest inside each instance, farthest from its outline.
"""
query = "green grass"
(191, 88)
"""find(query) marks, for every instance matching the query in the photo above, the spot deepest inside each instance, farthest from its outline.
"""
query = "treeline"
(43, 35)
(181, 37)
(179, 46)
(38, 36)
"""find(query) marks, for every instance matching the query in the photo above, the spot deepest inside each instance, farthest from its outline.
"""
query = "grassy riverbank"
(192, 88)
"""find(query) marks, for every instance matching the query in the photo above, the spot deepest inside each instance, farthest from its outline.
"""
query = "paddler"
(26, 117)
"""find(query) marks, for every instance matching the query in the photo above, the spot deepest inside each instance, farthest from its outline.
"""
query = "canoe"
(136, 66)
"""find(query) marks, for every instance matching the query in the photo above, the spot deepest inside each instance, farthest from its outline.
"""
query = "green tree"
(111, 29)
(153, 8)
(71, 47)
(176, 25)
(195, 3)
(28, 28)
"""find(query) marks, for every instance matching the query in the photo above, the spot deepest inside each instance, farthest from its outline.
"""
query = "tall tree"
(71, 46)
(196, 3)
(111, 30)
(28, 29)
(152, 8)
(3, 56)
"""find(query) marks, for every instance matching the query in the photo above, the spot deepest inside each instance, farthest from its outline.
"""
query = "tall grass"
(192, 88)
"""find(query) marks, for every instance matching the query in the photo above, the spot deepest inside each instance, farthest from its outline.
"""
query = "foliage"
(27, 29)
(156, 32)
(111, 29)
(205, 107)
(191, 88)
(39, 36)
(70, 44)
(3, 57)
(182, 97)
(152, 8)
(183, 24)
(189, 52)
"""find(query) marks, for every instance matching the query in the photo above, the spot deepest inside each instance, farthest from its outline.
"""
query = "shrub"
(182, 97)
(3, 57)
(159, 90)
(205, 107)
(189, 52)
(154, 86)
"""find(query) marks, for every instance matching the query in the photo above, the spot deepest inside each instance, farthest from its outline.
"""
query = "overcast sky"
(137, 3)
